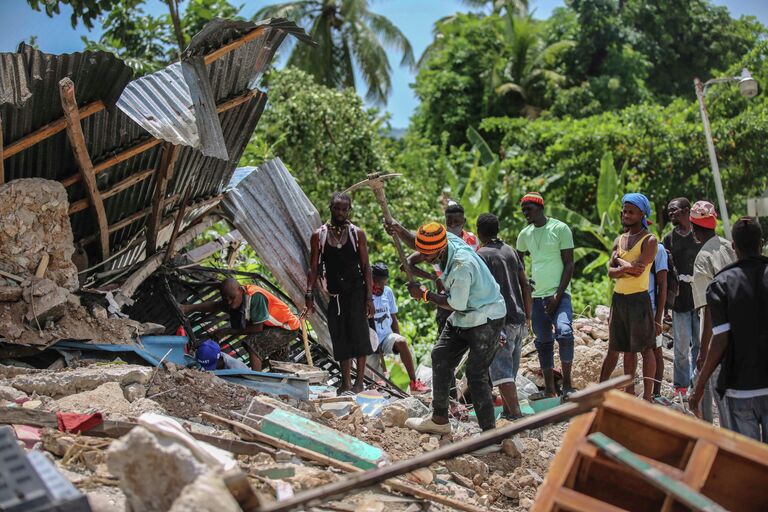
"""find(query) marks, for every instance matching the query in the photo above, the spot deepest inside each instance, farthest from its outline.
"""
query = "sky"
(414, 17)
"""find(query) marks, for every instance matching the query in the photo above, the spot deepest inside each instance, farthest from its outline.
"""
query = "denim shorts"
(507, 360)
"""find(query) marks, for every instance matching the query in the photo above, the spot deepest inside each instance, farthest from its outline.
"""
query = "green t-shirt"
(259, 308)
(545, 244)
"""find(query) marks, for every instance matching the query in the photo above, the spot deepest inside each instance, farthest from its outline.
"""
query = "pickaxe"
(376, 182)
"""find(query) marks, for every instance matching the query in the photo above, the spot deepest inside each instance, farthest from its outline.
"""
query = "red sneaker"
(418, 387)
(681, 391)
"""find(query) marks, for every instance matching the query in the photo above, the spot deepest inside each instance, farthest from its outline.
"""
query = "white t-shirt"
(385, 306)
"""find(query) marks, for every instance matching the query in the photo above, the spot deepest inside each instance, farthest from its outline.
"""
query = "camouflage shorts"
(271, 343)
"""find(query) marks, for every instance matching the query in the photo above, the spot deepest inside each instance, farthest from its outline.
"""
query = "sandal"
(566, 393)
(539, 395)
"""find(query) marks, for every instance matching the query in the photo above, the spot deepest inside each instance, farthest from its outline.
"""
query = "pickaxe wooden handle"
(376, 182)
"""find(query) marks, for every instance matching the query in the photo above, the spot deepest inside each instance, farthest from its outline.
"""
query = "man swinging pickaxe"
(376, 182)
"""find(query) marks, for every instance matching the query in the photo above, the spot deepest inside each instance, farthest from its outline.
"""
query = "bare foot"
(358, 387)
(341, 390)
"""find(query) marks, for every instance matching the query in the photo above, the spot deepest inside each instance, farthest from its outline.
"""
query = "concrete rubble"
(38, 278)
(140, 471)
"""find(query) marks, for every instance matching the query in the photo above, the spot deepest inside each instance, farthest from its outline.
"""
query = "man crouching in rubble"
(266, 321)
(475, 324)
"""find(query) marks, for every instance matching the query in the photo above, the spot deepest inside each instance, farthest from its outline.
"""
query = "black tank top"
(342, 267)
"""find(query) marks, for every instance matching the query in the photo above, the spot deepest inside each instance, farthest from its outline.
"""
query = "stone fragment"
(468, 466)
(394, 415)
(207, 493)
(152, 472)
(10, 293)
(70, 381)
(134, 391)
(11, 394)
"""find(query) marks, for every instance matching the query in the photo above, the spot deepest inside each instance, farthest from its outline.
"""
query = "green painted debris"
(544, 404)
(321, 439)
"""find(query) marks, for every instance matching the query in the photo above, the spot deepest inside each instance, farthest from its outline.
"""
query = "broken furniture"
(723, 466)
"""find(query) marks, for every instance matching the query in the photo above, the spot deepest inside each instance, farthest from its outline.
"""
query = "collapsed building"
(105, 183)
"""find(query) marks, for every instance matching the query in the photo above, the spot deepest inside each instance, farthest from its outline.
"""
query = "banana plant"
(610, 190)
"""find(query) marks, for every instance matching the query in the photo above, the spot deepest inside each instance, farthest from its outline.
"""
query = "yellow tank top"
(632, 284)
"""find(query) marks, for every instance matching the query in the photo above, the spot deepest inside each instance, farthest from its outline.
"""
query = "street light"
(749, 89)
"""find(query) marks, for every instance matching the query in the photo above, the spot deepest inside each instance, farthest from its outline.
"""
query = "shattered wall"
(35, 220)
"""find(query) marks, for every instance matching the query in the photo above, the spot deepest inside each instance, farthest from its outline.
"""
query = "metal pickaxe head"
(375, 181)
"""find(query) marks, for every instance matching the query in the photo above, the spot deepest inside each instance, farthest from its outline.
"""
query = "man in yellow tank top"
(631, 329)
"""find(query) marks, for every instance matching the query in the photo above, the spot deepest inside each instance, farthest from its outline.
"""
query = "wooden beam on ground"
(578, 403)
(398, 485)
(115, 189)
(48, 130)
(83, 159)
(177, 226)
(150, 143)
(234, 45)
(164, 175)
(115, 429)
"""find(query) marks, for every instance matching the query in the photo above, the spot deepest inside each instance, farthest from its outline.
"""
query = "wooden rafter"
(115, 189)
(164, 175)
(234, 45)
(49, 130)
(177, 226)
(130, 220)
(83, 159)
(150, 143)
(97, 106)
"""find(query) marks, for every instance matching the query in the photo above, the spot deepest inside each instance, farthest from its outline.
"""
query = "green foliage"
(86, 11)
(590, 291)
(350, 38)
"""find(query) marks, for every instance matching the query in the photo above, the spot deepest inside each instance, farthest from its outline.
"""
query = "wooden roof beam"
(83, 159)
(176, 226)
(131, 219)
(164, 175)
(49, 130)
(234, 45)
(115, 189)
(150, 143)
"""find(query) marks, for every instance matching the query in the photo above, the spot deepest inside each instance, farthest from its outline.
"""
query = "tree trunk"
(173, 8)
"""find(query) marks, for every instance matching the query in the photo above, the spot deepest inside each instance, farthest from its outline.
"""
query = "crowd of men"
(715, 292)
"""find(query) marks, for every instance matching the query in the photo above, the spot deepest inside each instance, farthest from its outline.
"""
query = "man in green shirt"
(550, 244)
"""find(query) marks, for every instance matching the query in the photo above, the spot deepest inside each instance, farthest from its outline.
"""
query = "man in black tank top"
(339, 255)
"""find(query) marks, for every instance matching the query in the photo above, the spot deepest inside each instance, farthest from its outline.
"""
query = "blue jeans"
(749, 416)
(548, 329)
(685, 331)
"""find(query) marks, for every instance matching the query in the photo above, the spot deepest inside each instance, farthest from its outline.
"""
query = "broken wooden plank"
(176, 226)
(83, 159)
(164, 174)
(578, 403)
(396, 484)
(114, 429)
(48, 130)
(118, 187)
(653, 476)
(43, 265)
(13, 277)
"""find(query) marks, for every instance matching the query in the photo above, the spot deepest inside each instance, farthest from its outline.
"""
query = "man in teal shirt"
(478, 312)
(550, 244)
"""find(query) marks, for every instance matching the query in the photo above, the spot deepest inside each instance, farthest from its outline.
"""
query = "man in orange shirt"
(268, 323)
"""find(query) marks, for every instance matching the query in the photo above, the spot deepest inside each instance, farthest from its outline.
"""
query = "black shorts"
(348, 325)
(631, 326)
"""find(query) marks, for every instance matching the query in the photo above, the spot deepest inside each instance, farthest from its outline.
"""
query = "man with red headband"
(550, 243)
(715, 254)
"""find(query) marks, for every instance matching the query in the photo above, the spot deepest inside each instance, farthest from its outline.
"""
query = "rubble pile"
(38, 277)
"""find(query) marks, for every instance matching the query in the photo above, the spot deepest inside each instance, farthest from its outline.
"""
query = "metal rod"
(713, 158)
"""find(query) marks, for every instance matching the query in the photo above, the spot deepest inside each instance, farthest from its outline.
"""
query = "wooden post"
(177, 225)
(163, 176)
(77, 141)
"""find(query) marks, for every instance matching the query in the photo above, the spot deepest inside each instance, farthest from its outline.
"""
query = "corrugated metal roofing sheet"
(160, 106)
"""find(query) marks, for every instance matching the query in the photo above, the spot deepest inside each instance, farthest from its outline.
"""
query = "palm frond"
(510, 87)
(371, 59)
(393, 37)
(296, 11)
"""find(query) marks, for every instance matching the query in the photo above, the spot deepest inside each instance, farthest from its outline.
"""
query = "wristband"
(424, 295)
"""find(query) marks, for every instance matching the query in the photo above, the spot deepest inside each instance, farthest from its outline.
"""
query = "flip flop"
(566, 393)
(539, 395)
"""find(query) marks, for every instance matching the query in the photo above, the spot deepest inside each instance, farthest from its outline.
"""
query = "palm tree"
(349, 35)
(517, 7)
(530, 68)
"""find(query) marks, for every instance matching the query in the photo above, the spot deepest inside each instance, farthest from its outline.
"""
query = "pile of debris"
(38, 278)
